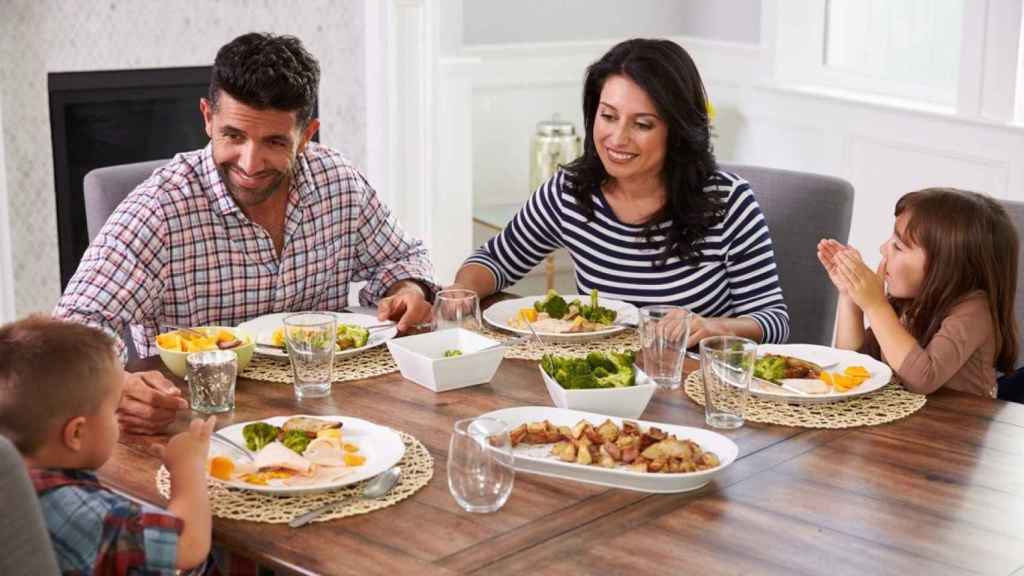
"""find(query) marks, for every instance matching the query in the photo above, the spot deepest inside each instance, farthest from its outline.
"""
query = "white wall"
(40, 36)
(528, 21)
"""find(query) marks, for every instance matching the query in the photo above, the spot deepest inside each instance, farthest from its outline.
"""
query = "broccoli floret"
(594, 312)
(624, 377)
(597, 360)
(357, 334)
(581, 382)
(553, 304)
(601, 373)
(771, 368)
(296, 440)
(259, 434)
(623, 359)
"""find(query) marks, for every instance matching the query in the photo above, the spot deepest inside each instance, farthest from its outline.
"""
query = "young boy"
(60, 386)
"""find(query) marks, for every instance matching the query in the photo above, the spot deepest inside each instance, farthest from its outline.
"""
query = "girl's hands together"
(827, 251)
(866, 287)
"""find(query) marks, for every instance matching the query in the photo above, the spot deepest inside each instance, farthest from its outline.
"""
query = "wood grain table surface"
(939, 492)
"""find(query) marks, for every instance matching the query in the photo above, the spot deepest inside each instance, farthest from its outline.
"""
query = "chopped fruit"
(857, 371)
(169, 341)
(528, 314)
(224, 336)
(221, 467)
(334, 433)
(350, 447)
(354, 460)
(826, 377)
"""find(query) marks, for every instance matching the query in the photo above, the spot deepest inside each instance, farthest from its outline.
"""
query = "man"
(262, 220)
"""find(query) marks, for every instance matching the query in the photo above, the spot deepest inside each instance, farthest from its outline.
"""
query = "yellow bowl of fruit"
(175, 346)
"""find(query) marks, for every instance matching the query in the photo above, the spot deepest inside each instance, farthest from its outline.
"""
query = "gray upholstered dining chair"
(104, 189)
(25, 546)
(801, 209)
(1011, 386)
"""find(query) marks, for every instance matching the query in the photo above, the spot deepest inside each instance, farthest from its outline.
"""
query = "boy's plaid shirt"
(178, 251)
(97, 532)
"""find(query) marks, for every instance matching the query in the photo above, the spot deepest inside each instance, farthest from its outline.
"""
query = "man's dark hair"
(267, 71)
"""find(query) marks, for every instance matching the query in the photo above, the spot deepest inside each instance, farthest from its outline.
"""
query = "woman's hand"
(863, 285)
(701, 327)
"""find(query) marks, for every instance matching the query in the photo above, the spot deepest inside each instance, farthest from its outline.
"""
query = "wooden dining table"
(938, 492)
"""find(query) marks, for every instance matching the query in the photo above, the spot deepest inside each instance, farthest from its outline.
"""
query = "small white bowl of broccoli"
(604, 383)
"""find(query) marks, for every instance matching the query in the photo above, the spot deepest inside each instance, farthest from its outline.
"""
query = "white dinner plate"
(832, 360)
(264, 326)
(499, 314)
(537, 458)
(382, 447)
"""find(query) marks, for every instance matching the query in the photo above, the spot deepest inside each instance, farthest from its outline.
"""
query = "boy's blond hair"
(50, 371)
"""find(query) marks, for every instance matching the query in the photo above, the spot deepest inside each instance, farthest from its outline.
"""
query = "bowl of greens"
(603, 383)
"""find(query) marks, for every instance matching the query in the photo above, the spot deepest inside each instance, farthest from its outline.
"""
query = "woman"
(644, 213)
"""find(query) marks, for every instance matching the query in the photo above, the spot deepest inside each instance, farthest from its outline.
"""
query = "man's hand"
(149, 403)
(406, 304)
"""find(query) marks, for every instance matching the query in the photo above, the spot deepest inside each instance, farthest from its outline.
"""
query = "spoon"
(377, 486)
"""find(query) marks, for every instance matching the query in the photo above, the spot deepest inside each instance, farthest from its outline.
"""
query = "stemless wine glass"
(664, 331)
(311, 342)
(457, 308)
(727, 363)
(481, 467)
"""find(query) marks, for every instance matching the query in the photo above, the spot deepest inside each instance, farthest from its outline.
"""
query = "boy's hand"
(149, 403)
(187, 451)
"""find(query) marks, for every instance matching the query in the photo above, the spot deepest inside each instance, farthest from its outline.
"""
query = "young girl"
(951, 272)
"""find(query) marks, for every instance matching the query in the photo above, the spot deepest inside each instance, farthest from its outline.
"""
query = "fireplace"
(116, 117)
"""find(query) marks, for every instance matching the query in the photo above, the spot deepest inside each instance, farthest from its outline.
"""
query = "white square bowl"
(420, 358)
(627, 402)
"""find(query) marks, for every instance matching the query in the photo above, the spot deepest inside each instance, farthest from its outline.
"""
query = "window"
(950, 56)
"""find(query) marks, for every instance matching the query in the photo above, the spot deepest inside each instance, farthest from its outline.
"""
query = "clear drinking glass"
(457, 308)
(211, 380)
(481, 467)
(664, 331)
(727, 363)
(311, 342)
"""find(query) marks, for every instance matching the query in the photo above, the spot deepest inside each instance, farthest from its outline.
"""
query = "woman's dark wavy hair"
(667, 73)
(267, 71)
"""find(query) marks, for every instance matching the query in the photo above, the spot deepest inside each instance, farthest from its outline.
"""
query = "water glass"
(211, 379)
(727, 363)
(664, 331)
(457, 308)
(481, 467)
(311, 342)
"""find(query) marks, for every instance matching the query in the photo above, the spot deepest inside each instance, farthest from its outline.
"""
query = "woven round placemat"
(374, 362)
(530, 350)
(234, 504)
(890, 403)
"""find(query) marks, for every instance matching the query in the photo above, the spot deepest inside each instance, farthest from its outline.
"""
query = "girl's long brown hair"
(970, 244)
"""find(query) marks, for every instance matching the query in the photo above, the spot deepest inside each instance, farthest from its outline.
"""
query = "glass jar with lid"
(554, 143)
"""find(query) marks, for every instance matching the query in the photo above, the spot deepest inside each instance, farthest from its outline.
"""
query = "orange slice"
(354, 459)
(221, 467)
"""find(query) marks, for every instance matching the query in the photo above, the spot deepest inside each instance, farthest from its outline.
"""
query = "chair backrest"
(1016, 212)
(25, 546)
(801, 209)
(104, 189)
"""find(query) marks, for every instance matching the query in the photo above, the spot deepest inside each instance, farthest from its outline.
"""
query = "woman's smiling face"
(629, 135)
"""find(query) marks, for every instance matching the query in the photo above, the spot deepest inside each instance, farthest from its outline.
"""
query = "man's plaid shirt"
(178, 251)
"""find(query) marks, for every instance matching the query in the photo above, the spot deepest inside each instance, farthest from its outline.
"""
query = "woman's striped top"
(734, 275)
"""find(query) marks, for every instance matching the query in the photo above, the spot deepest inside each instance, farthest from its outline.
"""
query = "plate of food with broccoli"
(808, 373)
(563, 318)
(303, 454)
(352, 335)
